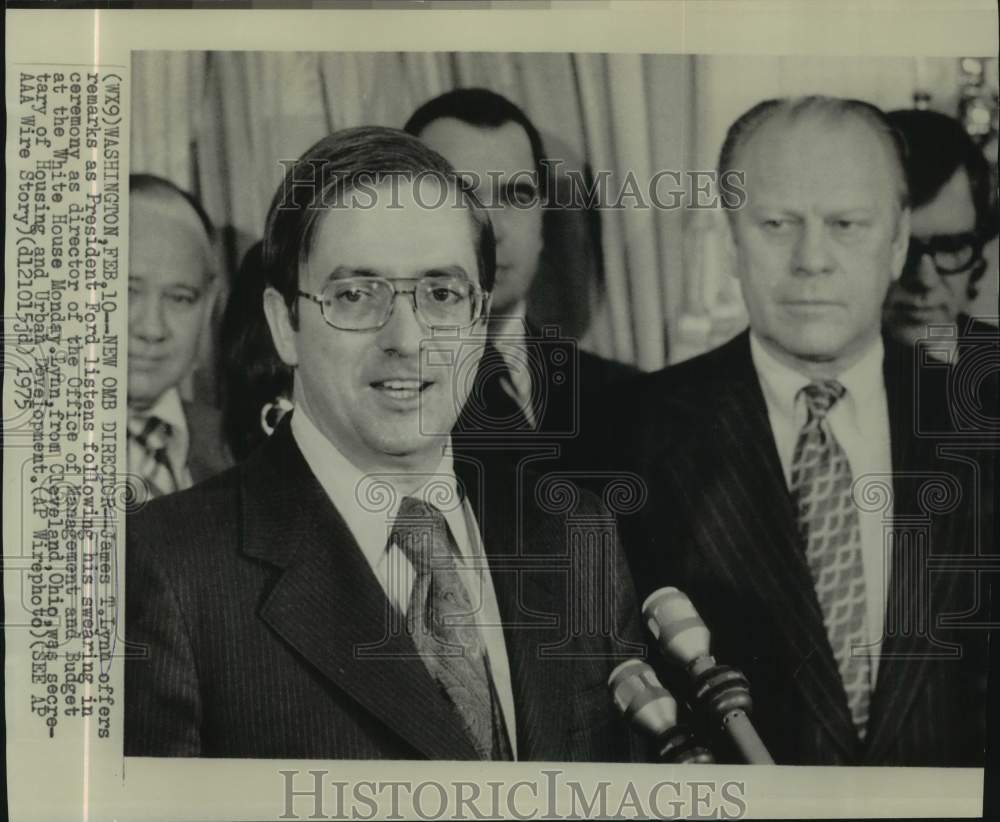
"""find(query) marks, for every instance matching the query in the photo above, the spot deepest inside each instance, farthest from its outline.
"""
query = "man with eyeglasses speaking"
(356, 589)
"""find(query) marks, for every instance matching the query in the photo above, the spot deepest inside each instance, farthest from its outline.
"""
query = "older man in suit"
(172, 443)
(356, 589)
(798, 491)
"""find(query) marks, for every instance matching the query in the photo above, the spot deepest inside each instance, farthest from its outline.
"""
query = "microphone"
(647, 705)
(722, 691)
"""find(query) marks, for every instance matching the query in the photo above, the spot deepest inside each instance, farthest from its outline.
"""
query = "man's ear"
(727, 243)
(280, 322)
(900, 243)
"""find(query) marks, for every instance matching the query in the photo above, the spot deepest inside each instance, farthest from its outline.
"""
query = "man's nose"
(812, 251)
(147, 318)
(403, 331)
(501, 221)
(920, 275)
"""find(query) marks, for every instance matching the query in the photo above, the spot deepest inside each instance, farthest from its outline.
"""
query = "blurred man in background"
(532, 381)
(954, 216)
(172, 443)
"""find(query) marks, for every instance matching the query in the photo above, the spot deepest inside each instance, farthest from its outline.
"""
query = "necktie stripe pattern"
(148, 441)
(821, 483)
(442, 623)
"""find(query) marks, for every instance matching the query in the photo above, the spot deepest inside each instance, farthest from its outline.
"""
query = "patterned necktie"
(828, 522)
(442, 622)
(147, 454)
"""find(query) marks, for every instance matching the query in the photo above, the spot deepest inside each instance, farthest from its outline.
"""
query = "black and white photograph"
(722, 340)
(556, 427)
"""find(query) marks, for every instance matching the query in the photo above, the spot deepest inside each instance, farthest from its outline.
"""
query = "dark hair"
(749, 123)
(485, 109)
(160, 187)
(253, 374)
(937, 146)
(347, 160)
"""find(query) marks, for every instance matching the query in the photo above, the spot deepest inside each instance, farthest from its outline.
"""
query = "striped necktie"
(831, 533)
(441, 621)
(148, 440)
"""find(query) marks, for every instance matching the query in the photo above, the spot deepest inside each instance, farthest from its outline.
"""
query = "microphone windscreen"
(641, 698)
(676, 626)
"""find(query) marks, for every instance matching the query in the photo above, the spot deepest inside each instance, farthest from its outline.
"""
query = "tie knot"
(152, 433)
(421, 533)
(821, 396)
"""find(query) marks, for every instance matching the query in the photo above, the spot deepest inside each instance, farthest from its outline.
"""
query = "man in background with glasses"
(954, 216)
(356, 589)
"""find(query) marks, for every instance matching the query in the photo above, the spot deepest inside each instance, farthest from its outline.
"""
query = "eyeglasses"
(951, 253)
(366, 303)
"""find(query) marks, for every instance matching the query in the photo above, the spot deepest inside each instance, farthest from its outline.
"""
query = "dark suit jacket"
(264, 631)
(207, 452)
(566, 382)
(720, 525)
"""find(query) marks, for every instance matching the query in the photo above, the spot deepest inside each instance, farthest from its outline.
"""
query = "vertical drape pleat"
(633, 160)
(658, 286)
(592, 82)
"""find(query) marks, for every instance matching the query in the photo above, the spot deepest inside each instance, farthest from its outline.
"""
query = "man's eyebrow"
(521, 183)
(343, 271)
(772, 208)
(855, 209)
(445, 271)
(957, 237)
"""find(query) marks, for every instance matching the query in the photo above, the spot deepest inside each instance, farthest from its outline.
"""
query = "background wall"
(642, 285)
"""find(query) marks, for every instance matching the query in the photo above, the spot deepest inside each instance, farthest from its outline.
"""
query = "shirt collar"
(367, 502)
(170, 409)
(511, 329)
(781, 384)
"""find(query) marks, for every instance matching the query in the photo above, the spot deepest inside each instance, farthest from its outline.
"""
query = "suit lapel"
(526, 597)
(555, 379)
(756, 540)
(328, 605)
(207, 451)
(489, 409)
(907, 649)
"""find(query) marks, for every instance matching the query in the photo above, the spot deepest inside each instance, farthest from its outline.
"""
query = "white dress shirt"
(369, 508)
(170, 409)
(509, 332)
(860, 422)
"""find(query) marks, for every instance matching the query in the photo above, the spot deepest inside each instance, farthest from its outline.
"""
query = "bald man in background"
(172, 443)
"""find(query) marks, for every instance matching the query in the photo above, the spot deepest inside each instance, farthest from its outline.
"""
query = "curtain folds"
(640, 284)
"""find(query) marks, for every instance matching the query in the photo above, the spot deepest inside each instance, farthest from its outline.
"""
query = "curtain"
(639, 284)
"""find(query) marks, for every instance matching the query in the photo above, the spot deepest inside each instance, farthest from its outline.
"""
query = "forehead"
(167, 245)
(816, 162)
(505, 148)
(404, 233)
(950, 212)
